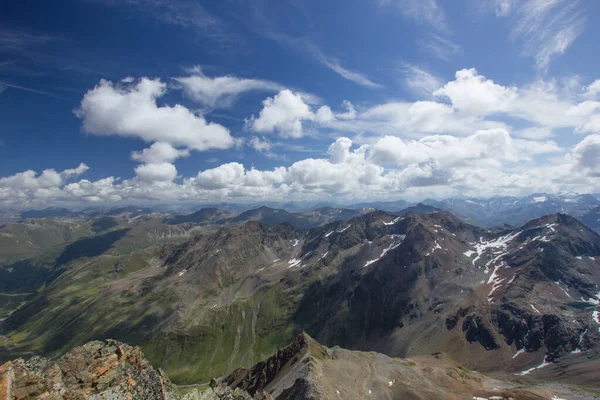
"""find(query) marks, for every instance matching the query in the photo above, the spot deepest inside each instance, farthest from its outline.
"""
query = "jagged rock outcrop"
(96, 370)
(295, 360)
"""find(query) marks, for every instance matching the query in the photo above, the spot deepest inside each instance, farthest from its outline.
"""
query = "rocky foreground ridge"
(302, 370)
(96, 370)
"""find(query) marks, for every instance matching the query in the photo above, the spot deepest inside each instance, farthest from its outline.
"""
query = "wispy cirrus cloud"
(4, 86)
(353, 76)
(439, 46)
(29, 53)
(14, 39)
(188, 14)
(419, 80)
(427, 12)
(306, 47)
(547, 28)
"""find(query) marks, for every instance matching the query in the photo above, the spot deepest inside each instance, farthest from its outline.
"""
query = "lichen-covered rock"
(96, 370)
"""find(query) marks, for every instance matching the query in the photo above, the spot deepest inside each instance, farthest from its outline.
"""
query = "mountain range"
(489, 212)
(203, 297)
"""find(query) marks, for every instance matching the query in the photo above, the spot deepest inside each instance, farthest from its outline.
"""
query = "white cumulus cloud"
(156, 172)
(131, 111)
(158, 153)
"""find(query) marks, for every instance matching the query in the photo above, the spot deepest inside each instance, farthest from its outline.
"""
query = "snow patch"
(540, 199)
(393, 222)
(370, 262)
(578, 348)
(498, 246)
(392, 246)
(596, 317)
(324, 255)
(535, 309)
(563, 289)
(518, 353)
(293, 262)
(469, 253)
(544, 364)
(340, 231)
(182, 272)
(496, 280)
(296, 243)
(343, 230)
(593, 301)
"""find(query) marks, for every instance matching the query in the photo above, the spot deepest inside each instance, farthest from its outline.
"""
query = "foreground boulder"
(96, 370)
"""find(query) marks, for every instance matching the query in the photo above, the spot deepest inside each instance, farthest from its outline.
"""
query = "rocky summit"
(96, 370)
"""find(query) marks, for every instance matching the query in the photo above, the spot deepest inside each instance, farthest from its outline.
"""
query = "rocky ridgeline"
(96, 370)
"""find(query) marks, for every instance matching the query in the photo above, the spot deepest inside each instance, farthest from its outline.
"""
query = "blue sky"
(238, 100)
